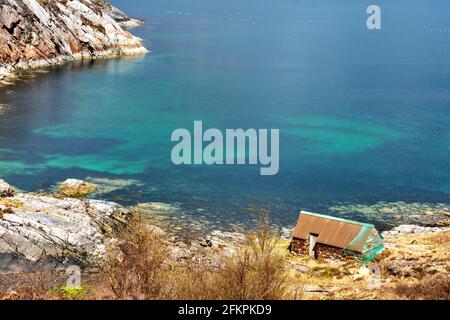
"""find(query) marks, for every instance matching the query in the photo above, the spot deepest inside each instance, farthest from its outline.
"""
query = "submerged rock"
(412, 229)
(76, 188)
(390, 214)
(157, 208)
(223, 239)
(105, 185)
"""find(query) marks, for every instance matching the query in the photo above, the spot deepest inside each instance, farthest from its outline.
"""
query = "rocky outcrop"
(36, 33)
(75, 188)
(5, 189)
(34, 226)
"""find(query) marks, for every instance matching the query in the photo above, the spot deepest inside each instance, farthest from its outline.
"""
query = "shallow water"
(363, 115)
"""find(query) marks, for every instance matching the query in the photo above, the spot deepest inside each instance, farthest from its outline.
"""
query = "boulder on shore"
(5, 189)
(75, 188)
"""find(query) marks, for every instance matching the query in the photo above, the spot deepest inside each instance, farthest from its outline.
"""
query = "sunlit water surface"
(364, 115)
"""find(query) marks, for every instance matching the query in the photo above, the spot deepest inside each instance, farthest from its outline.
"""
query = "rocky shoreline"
(63, 228)
(38, 226)
(66, 227)
(37, 34)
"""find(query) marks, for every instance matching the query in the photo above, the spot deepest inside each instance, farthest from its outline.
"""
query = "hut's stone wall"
(322, 251)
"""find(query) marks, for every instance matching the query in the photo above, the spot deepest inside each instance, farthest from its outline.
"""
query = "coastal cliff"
(36, 33)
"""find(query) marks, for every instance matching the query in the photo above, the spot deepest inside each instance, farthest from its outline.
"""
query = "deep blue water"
(363, 115)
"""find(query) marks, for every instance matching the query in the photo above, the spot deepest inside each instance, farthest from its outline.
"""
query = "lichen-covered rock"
(38, 226)
(222, 239)
(76, 188)
(5, 189)
(38, 33)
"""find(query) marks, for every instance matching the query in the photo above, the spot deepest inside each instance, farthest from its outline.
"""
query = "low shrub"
(436, 287)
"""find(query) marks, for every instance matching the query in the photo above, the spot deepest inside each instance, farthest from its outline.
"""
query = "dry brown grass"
(439, 239)
(144, 269)
(257, 271)
(433, 288)
(413, 266)
(36, 284)
(135, 266)
(140, 266)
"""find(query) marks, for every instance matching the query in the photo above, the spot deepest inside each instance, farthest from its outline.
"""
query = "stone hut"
(327, 236)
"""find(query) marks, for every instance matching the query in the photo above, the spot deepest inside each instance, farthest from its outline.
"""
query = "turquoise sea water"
(363, 115)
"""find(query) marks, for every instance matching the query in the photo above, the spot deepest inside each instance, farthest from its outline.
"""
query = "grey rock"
(42, 226)
(106, 185)
(5, 189)
(156, 230)
(301, 268)
(9, 17)
(286, 233)
(412, 229)
(401, 268)
(156, 208)
(221, 239)
(204, 242)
